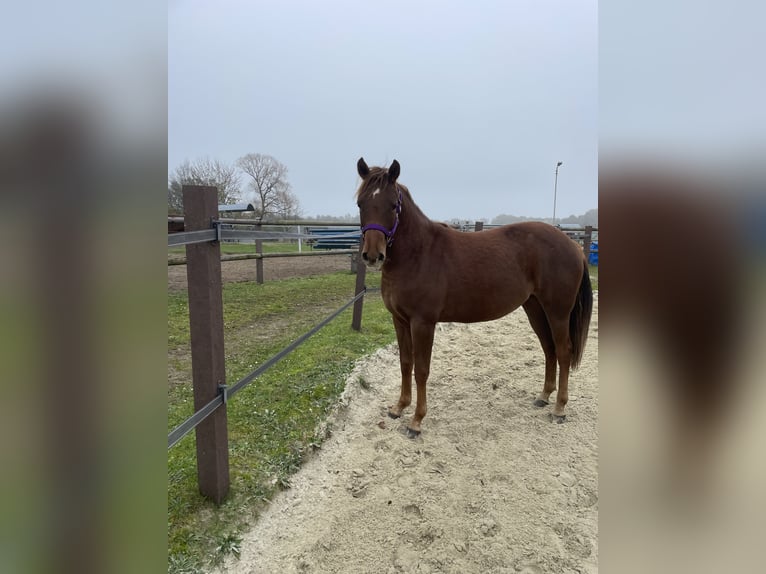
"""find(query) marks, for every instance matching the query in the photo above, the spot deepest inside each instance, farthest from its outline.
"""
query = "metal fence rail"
(191, 237)
(275, 222)
(247, 256)
(253, 234)
(226, 392)
(221, 232)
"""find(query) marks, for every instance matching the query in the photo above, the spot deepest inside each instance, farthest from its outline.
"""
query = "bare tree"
(203, 172)
(268, 182)
(290, 207)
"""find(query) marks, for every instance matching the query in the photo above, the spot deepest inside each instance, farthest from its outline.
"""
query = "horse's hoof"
(559, 419)
(540, 403)
(393, 415)
(412, 433)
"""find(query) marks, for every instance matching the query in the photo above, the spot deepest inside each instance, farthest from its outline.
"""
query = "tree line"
(590, 217)
(265, 184)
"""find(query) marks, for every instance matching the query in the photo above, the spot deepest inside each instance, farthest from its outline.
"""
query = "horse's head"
(380, 202)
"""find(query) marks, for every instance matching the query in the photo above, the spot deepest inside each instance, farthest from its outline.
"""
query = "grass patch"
(593, 270)
(274, 421)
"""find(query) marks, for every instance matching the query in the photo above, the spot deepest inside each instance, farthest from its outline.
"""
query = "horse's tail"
(579, 318)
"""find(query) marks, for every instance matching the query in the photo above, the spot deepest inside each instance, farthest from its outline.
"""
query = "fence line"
(211, 394)
(227, 392)
(478, 226)
(277, 223)
(222, 233)
(245, 256)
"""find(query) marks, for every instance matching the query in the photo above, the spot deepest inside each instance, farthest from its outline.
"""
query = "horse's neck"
(414, 231)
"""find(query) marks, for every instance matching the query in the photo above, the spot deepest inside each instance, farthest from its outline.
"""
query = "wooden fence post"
(478, 226)
(361, 273)
(203, 271)
(259, 261)
(587, 241)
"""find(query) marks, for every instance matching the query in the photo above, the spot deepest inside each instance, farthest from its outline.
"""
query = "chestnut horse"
(432, 273)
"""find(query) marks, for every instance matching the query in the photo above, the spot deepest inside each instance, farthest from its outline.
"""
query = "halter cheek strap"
(389, 233)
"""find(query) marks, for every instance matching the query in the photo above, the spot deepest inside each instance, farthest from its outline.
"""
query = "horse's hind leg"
(560, 332)
(406, 361)
(539, 322)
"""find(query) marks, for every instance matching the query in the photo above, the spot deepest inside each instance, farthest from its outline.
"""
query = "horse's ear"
(393, 171)
(362, 168)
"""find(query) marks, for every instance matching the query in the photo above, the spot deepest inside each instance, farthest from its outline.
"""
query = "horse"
(431, 273)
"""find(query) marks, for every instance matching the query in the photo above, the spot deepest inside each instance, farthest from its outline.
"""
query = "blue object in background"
(593, 257)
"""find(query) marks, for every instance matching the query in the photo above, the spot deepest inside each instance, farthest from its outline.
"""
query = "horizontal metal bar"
(283, 223)
(188, 425)
(227, 392)
(220, 232)
(191, 237)
(318, 253)
(289, 349)
(246, 256)
(311, 223)
(254, 234)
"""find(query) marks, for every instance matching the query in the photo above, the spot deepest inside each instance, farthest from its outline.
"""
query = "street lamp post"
(555, 186)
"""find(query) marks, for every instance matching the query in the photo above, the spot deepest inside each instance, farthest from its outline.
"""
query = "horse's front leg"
(406, 360)
(422, 343)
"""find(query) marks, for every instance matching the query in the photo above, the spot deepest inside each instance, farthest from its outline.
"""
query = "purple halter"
(389, 233)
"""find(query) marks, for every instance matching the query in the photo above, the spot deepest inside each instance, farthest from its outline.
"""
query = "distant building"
(236, 207)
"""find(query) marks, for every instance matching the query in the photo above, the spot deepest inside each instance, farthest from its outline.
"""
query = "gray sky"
(477, 100)
(692, 91)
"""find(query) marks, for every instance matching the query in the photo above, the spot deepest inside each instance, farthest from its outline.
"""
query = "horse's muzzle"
(373, 261)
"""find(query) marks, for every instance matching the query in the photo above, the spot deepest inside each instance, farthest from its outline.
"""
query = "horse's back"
(542, 256)
(554, 262)
(539, 235)
(528, 245)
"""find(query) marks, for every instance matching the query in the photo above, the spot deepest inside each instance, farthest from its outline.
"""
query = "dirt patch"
(490, 486)
(274, 268)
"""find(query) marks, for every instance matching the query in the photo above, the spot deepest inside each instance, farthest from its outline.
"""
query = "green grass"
(593, 269)
(274, 422)
(235, 248)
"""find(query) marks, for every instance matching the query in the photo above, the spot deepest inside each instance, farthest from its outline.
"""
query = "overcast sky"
(477, 100)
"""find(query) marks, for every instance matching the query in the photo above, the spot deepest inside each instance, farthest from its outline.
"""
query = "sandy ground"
(490, 486)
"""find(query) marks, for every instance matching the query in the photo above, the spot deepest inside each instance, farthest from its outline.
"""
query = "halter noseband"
(389, 233)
